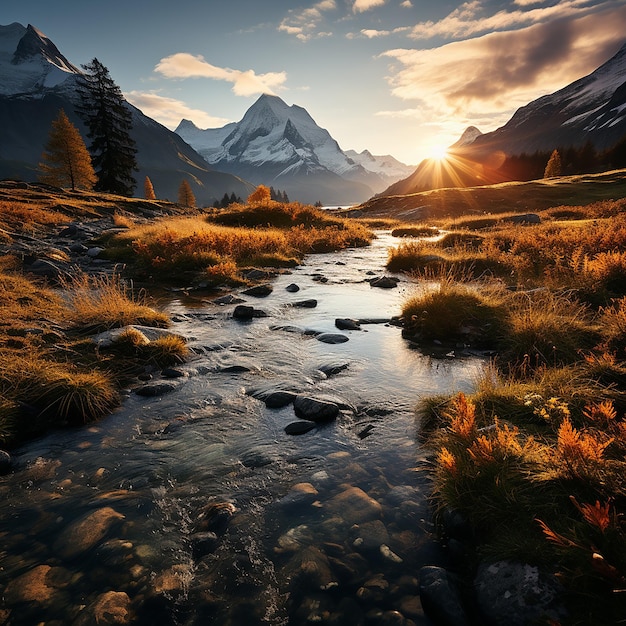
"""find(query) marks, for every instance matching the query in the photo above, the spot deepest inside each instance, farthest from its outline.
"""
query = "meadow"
(535, 459)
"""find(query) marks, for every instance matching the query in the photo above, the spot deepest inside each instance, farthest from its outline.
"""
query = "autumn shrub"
(417, 230)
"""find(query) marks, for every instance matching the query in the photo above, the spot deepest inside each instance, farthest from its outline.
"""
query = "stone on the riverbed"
(259, 291)
(355, 506)
(228, 299)
(332, 338)
(345, 323)
(94, 252)
(152, 390)
(215, 517)
(515, 594)
(300, 495)
(257, 457)
(330, 369)
(369, 536)
(109, 608)
(173, 372)
(311, 303)
(36, 585)
(441, 597)
(300, 427)
(384, 282)
(86, 533)
(203, 543)
(292, 288)
(315, 409)
(245, 312)
(5, 462)
(279, 399)
(309, 568)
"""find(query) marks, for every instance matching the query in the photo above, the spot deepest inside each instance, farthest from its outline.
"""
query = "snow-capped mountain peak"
(30, 62)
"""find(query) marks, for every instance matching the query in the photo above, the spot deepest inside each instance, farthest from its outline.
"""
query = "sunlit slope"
(518, 197)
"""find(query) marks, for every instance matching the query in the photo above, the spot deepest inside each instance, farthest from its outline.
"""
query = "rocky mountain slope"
(36, 80)
(589, 110)
(282, 146)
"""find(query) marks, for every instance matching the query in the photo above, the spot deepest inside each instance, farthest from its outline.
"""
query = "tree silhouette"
(185, 195)
(66, 161)
(109, 120)
(553, 168)
(148, 189)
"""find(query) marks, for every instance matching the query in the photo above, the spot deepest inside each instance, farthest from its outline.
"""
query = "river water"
(196, 507)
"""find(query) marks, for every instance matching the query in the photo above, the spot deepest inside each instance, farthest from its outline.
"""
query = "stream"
(196, 507)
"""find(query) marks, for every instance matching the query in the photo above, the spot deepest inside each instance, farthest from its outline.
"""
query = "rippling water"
(326, 527)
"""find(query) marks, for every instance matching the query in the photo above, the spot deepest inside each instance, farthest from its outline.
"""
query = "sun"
(438, 152)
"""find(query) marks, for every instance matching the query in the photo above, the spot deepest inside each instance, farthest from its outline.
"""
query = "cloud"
(170, 112)
(360, 6)
(407, 4)
(245, 83)
(371, 33)
(502, 71)
(469, 19)
(303, 24)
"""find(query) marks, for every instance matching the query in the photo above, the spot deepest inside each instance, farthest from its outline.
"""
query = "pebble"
(292, 288)
(300, 427)
(332, 338)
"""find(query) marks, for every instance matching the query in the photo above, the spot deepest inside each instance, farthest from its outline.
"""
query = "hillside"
(519, 197)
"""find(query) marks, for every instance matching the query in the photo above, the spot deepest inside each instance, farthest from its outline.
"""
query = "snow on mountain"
(282, 146)
(36, 81)
(30, 63)
(385, 166)
(470, 134)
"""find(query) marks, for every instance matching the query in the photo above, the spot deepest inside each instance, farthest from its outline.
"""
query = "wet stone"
(331, 369)
(257, 457)
(311, 303)
(156, 389)
(441, 598)
(279, 399)
(292, 288)
(332, 338)
(173, 372)
(355, 506)
(300, 427)
(347, 324)
(384, 282)
(245, 312)
(315, 409)
(259, 291)
(203, 543)
(369, 536)
(111, 607)
(228, 299)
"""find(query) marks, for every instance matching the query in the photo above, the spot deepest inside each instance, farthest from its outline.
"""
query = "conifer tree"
(148, 189)
(185, 195)
(109, 120)
(66, 161)
(553, 168)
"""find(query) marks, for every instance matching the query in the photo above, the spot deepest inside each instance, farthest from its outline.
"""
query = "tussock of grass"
(219, 245)
(417, 230)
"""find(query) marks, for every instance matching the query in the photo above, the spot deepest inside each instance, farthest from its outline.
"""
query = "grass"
(50, 374)
(542, 440)
(217, 246)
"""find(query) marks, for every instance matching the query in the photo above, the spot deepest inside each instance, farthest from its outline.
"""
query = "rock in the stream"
(108, 338)
(279, 399)
(311, 303)
(300, 427)
(517, 594)
(344, 323)
(315, 409)
(5, 462)
(384, 282)
(203, 543)
(245, 312)
(259, 291)
(87, 532)
(109, 608)
(152, 390)
(292, 288)
(441, 597)
(331, 369)
(228, 299)
(332, 338)
(355, 506)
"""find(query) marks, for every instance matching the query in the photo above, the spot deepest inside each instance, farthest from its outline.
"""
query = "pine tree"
(185, 195)
(553, 168)
(148, 189)
(109, 120)
(66, 161)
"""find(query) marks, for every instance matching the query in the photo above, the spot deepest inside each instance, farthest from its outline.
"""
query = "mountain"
(591, 110)
(36, 80)
(281, 146)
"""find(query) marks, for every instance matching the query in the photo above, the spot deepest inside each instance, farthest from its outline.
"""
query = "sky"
(399, 77)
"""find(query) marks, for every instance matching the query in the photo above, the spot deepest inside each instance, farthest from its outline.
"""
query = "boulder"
(516, 594)
(292, 288)
(279, 399)
(384, 282)
(311, 303)
(332, 338)
(315, 409)
(441, 598)
(355, 506)
(259, 291)
(299, 428)
(343, 323)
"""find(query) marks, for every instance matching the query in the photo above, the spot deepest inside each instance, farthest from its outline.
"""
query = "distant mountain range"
(36, 80)
(591, 110)
(282, 146)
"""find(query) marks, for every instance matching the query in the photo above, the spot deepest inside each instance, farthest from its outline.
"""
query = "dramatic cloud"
(170, 112)
(407, 4)
(469, 19)
(245, 83)
(304, 24)
(365, 5)
(499, 72)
